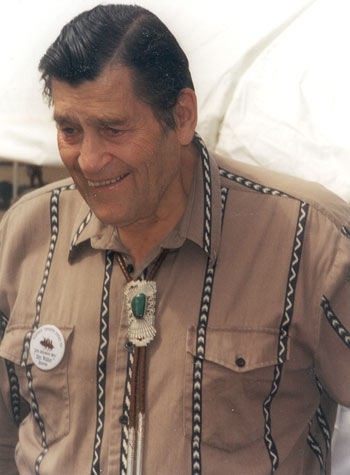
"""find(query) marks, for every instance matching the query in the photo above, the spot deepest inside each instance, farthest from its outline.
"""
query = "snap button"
(129, 346)
(130, 268)
(348, 278)
(240, 362)
(123, 419)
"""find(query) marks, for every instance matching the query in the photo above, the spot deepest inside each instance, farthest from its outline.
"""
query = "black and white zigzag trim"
(36, 414)
(292, 281)
(198, 370)
(284, 329)
(345, 231)
(3, 324)
(55, 194)
(251, 184)
(81, 228)
(102, 363)
(325, 430)
(316, 448)
(54, 234)
(207, 195)
(12, 378)
(322, 420)
(54, 201)
(14, 392)
(34, 404)
(199, 359)
(224, 193)
(126, 412)
(324, 426)
(337, 326)
(269, 442)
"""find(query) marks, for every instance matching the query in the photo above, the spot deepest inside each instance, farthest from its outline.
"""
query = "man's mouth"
(95, 184)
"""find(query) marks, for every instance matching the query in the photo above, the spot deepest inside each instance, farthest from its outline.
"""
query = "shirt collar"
(200, 223)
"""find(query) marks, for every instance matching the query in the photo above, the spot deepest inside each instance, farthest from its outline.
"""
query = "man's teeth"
(106, 182)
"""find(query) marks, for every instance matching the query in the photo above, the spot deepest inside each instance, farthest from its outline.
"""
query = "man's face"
(125, 165)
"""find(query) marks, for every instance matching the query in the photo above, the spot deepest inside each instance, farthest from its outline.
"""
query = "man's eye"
(68, 131)
(112, 131)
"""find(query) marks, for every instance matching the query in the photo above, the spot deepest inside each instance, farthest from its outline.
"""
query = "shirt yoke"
(241, 177)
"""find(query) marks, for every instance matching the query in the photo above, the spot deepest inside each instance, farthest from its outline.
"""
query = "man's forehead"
(116, 80)
(102, 119)
(104, 100)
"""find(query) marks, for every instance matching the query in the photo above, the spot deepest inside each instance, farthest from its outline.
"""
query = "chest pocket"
(237, 374)
(49, 393)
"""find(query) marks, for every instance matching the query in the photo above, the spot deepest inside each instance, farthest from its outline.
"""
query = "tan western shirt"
(252, 347)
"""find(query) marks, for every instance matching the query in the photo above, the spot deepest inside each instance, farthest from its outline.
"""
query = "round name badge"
(47, 347)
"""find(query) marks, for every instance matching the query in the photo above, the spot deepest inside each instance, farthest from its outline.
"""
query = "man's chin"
(106, 218)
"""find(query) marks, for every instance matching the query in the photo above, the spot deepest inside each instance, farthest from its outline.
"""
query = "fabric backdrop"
(272, 79)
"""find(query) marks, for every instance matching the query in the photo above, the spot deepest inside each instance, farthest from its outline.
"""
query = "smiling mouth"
(95, 184)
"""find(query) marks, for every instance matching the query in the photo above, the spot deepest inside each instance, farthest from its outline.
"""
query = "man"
(168, 312)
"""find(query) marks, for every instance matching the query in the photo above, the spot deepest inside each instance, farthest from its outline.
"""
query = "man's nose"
(93, 156)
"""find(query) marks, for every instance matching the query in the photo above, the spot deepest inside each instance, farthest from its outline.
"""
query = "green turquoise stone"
(138, 304)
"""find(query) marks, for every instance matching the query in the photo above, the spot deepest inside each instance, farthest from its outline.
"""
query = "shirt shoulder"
(241, 177)
(32, 204)
(33, 214)
(42, 194)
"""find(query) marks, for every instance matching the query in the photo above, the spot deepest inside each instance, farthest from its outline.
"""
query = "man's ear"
(185, 116)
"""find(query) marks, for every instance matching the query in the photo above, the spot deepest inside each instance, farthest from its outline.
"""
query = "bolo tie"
(140, 298)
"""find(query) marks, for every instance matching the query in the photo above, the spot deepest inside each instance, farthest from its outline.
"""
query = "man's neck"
(141, 237)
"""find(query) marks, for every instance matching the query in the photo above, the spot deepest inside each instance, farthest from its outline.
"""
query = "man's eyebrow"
(60, 119)
(97, 121)
(106, 121)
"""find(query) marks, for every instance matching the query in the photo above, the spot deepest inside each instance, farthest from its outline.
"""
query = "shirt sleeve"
(8, 428)
(333, 353)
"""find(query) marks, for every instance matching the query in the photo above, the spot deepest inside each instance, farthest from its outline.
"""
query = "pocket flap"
(239, 349)
(11, 346)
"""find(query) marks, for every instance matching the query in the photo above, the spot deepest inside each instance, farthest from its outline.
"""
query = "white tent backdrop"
(215, 39)
(272, 79)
